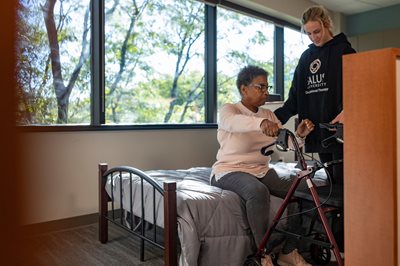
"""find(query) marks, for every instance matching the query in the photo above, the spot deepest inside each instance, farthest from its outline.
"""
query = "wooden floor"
(80, 246)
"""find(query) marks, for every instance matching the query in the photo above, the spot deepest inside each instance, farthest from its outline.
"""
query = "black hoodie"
(316, 91)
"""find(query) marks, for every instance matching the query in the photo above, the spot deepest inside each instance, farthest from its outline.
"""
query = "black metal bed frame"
(117, 215)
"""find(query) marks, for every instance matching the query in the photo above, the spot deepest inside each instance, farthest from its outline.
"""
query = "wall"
(376, 40)
(60, 168)
(374, 29)
(381, 19)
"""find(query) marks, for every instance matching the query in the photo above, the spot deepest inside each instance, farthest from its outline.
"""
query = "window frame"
(97, 105)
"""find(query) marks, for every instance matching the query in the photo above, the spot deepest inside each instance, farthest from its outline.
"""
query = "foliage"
(38, 102)
(154, 60)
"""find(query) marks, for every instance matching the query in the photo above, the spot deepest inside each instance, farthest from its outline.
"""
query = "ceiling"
(350, 7)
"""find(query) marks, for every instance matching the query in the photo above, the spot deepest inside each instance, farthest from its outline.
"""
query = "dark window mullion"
(97, 63)
(279, 61)
(210, 64)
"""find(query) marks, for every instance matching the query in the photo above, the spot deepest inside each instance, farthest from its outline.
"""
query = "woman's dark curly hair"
(248, 73)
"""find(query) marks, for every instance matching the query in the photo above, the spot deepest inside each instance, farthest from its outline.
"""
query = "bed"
(179, 212)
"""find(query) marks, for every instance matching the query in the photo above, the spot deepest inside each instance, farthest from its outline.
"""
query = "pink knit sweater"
(241, 139)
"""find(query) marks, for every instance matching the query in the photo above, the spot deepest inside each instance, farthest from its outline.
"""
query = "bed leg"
(103, 202)
(142, 248)
(170, 224)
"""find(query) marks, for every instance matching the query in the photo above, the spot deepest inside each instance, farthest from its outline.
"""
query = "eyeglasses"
(261, 87)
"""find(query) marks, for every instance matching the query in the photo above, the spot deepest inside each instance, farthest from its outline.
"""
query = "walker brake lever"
(282, 140)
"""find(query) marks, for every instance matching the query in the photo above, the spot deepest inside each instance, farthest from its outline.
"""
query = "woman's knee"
(260, 192)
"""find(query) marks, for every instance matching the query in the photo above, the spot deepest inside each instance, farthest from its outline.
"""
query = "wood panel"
(13, 248)
(370, 156)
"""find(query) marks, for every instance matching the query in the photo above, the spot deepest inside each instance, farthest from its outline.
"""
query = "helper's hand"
(269, 128)
(339, 118)
(304, 128)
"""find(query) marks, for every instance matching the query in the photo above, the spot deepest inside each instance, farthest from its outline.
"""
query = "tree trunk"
(59, 87)
(62, 92)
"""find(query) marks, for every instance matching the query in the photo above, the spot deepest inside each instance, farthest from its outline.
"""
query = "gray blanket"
(212, 224)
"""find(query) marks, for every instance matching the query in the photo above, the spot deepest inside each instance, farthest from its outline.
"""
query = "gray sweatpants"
(256, 192)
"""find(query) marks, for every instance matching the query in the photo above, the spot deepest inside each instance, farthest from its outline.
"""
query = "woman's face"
(255, 94)
(318, 34)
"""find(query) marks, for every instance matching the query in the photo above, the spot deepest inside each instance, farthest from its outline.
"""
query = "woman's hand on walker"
(269, 128)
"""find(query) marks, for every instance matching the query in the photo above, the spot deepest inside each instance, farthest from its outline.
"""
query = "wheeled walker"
(306, 173)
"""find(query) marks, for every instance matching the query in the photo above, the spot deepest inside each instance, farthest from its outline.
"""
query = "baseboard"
(58, 225)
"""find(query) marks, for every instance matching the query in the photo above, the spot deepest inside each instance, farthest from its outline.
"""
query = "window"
(295, 44)
(241, 40)
(53, 62)
(154, 66)
(152, 71)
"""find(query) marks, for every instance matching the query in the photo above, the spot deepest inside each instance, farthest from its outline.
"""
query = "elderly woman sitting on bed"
(244, 128)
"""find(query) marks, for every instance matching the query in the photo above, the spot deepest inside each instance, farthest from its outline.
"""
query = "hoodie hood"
(340, 38)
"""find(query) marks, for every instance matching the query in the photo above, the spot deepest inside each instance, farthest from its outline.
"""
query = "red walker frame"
(306, 172)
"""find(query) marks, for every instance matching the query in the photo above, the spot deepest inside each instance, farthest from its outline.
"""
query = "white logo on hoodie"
(316, 82)
(315, 65)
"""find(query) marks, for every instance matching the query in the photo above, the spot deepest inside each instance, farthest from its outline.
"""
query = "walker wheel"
(252, 261)
(320, 254)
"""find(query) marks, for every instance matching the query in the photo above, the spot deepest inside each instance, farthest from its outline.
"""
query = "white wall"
(60, 168)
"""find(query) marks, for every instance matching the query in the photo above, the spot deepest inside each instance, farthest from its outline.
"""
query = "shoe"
(292, 259)
(266, 261)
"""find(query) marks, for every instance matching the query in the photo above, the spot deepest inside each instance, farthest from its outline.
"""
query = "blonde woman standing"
(316, 91)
